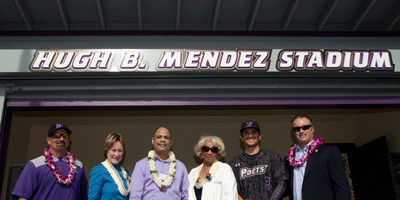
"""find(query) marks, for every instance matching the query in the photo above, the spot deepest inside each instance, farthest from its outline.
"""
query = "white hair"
(217, 142)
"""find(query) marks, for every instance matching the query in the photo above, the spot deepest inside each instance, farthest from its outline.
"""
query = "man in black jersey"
(260, 174)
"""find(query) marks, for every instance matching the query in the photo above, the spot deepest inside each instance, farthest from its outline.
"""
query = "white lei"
(153, 171)
(206, 179)
(117, 178)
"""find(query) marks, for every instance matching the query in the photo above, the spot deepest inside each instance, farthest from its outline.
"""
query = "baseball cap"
(56, 127)
(249, 124)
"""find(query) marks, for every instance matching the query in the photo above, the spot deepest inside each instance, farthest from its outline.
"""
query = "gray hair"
(217, 142)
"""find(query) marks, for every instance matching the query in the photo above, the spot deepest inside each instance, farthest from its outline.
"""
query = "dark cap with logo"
(249, 124)
(55, 127)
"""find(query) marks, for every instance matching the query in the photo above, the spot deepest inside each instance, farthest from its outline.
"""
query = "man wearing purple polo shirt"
(160, 175)
(54, 175)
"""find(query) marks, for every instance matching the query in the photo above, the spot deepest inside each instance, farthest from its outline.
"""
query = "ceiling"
(247, 16)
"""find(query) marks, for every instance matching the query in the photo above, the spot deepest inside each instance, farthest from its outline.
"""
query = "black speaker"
(13, 175)
(388, 171)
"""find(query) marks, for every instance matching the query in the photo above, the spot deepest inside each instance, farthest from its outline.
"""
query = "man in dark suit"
(316, 171)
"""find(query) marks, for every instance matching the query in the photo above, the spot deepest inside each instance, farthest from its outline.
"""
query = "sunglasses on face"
(57, 135)
(305, 127)
(206, 149)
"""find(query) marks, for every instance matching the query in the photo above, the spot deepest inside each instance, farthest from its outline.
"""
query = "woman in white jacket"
(212, 180)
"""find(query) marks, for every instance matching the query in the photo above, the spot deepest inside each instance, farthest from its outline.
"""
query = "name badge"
(162, 177)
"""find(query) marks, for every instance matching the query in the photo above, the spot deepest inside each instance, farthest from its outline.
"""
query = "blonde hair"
(111, 139)
(217, 142)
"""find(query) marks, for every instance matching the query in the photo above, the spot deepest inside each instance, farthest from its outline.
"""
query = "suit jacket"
(324, 177)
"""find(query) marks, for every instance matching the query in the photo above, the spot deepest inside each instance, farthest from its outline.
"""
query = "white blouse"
(221, 187)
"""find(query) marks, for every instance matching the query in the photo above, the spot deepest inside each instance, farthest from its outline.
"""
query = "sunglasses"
(305, 127)
(213, 149)
(57, 135)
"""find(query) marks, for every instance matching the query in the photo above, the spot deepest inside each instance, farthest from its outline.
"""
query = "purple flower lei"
(71, 167)
(314, 145)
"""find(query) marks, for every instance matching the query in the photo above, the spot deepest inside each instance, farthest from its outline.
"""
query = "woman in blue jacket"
(109, 180)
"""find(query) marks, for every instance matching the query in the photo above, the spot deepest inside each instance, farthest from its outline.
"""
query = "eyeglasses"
(305, 127)
(57, 135)
(213, 149)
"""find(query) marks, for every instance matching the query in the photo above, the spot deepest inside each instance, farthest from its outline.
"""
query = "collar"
(57, 159)
(298, 149)
(165, 161)
(117, 166)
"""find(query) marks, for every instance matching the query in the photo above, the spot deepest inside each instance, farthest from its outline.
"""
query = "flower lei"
(314, 145)
(117, 178)
(171, 173)
(71, 167)
(209, 175)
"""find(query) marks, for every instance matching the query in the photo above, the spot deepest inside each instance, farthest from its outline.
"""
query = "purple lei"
(71, 167)
(292, 151)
